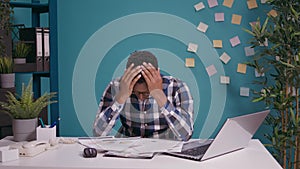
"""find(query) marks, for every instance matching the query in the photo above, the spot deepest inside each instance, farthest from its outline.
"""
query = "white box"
(46, 133)
(7, 154)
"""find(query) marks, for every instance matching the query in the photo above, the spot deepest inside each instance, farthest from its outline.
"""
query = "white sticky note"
(263, 1)
(225, 58)
(235, 41)
(219, 17)
(244, 91)
(192, 47)
(224, 79)
(249, 51)
(202, 27)
(199, 6)
(258, 74)
(212, 3)
(211, 70)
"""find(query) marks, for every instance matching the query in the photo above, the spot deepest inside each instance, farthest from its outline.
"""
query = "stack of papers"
(132, 147)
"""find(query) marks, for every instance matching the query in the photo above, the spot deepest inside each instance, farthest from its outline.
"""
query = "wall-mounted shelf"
(35, 6)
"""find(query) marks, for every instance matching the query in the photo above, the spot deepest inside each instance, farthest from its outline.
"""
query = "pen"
(53, 124)
(42, 123)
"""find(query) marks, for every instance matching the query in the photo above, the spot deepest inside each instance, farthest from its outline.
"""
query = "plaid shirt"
(144, 118)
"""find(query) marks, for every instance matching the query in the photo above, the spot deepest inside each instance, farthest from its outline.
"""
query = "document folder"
(46, 43)
(34, 37)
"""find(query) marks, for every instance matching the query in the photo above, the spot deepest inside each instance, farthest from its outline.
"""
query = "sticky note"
(236, 19)
(257, 74)
(272, 13)
(217, 43)
(199, 6)
(244, 91)
(192, 47)
(212, 3)
(235, 41)
(219, 17)
(225, 58)
(228, 3)
(189, 62)
(211, 70)
(249, 51)
(251, 4)
(242, 68)
(202, 27)
(263, 1)
(224, 79)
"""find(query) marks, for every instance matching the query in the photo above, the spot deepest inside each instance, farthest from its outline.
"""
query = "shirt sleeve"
(179, 112)
(107, 113)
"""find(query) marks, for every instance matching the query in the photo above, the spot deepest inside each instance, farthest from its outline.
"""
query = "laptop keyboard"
(196, 150)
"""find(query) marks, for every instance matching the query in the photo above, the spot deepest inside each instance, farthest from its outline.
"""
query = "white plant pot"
(24, 129)
(19, 60)
(7, 80)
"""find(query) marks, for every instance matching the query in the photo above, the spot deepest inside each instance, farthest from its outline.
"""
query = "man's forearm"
(159, 96)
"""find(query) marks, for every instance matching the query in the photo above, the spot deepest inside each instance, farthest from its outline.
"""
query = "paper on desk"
(114, 144)
(147, 145)
(133, 145)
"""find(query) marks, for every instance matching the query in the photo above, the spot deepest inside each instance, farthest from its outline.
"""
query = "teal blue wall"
(95, 37)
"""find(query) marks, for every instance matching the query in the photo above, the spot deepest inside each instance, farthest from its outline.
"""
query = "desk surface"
(69, 156)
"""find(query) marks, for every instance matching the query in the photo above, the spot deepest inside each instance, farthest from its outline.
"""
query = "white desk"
(69, 156)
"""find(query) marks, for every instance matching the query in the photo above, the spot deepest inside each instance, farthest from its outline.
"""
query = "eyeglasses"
(144, 94)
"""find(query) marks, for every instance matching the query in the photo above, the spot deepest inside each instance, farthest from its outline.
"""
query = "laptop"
(234, 135)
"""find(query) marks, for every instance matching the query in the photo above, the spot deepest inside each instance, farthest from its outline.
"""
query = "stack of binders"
(38, 39)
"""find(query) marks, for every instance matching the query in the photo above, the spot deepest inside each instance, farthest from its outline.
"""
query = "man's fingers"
(131, 73)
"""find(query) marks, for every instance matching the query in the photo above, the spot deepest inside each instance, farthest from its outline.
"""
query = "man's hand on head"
(128, 80)
(154, 83)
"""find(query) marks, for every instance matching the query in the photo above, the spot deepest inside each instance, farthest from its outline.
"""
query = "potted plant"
(279, 60)
(24, 110)
(20, 52)
(7, 76)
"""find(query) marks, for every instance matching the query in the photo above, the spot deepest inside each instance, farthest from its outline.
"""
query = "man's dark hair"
(138, 57)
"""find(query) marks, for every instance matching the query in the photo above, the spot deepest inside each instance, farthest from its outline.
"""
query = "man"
(147, 103)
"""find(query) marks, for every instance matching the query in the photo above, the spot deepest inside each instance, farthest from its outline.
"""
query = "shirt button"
(146, 125)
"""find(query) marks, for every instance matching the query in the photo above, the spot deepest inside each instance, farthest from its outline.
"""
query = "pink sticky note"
(219, 17)
(212, 3)
(235, 41)
(211, 70)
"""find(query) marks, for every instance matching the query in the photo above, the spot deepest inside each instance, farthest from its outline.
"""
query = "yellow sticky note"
(189, 62)
(242, 68)
(236, 19)
(252, 4)
(272, 13)
(228, 3)
(217, 43)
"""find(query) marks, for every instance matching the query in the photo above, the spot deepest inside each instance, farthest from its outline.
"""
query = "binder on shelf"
(46, 49)
(34, 37)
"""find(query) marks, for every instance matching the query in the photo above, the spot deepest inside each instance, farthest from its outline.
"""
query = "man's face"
(141, 91)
